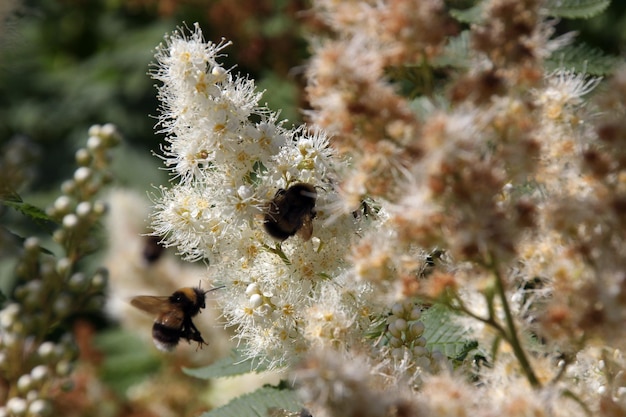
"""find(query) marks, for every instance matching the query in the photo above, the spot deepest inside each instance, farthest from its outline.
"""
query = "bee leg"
(191, 332)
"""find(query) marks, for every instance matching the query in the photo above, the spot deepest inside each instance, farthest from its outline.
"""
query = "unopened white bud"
(99, 207)
(70, 221)
(252, 288)
(94, 130)
(46, 350)
(256, 300)
(24, 383)
(219, 73)
(40, 408)
(31, 244)
(17, 406)
(94, 143)
(82, 174)
(83, 209)
(39, 373)
(68, 186)
(82, 157)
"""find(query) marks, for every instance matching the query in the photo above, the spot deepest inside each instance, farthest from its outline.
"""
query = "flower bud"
(70, 221)
(397, 309)
(40, 408)
(82, 174)
(394, 331)
(99, 207)
(256, 300)
(83, 157)
(64, 368)
(252, 288)
(24, 383)
(77, 281)
(62, 305)
(46, 351)
(39, 373)
(94, 143)
(83, 209)
(59, 235)
(395, 342)
(8, 315)
(416, 329)
(62, 204)
(423, 362)
(99, 279)
(94, 130)
(17, 406)
(63, 266)
(400, 324)
(419, 351)
(109, 130)
(398, 353)
(68, 186)
(31, 244)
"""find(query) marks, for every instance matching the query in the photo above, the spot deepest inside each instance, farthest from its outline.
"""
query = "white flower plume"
(226, 169)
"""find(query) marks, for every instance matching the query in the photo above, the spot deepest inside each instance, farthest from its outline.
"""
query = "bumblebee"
(291, 211)
(173, 316)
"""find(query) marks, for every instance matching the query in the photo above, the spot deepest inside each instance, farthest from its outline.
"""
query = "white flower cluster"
(231, 157)
(228, 165)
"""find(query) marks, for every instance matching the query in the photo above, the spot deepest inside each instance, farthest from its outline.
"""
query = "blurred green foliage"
(68, 64)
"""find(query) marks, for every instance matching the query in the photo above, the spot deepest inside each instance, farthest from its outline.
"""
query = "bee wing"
(173, 318)
(151, 304)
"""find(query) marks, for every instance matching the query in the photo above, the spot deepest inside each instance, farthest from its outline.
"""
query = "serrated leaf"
(443, 334)
(456, 53)
(234, 364)
(257, 403)
(471, 15)
(582, 58)
(11, 198)
(576, 9)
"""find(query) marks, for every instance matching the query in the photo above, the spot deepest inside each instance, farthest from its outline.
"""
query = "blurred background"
(68, 64)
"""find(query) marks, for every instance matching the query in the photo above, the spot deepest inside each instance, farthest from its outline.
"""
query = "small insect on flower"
(291, 211)
(174, 314)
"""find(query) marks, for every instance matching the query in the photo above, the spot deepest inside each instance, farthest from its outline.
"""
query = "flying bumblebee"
(174, 314)
(291, 211)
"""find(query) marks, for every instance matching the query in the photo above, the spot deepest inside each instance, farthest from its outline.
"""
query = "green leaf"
(576, 9)
(257, 403)
(471, 15)
(582, 58)
(234, 364)
(443, 334)
(127, 361)
(456, 53)
(11, 198)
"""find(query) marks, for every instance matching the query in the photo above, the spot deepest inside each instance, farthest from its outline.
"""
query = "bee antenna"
(216, 288)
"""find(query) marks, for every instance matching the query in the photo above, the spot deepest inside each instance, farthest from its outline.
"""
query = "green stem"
(277, 250)
(513, 337)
